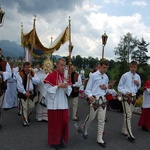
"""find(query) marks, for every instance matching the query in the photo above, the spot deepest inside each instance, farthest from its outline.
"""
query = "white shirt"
(126, 83)
(90, 74)
(93, 86)
(35, 80)
(79, 82)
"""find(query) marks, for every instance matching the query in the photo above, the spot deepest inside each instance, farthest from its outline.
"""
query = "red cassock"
(58, 126)
(145, 118)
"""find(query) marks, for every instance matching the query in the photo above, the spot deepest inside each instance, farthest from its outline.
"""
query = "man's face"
(72, 68)
(27, 68)
(103, 69)
(133, 68)
(60, 66)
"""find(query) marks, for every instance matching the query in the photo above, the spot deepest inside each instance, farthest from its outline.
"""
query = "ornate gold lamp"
(104, 41)
(2, 13)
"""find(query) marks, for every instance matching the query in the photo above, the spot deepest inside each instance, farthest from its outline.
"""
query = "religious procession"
(50, 89)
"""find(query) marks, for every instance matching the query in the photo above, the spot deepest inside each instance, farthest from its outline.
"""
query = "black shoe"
(85, 136)
(62, 144)
(29, 119)
(55, 147)
(131, 139)
(0, 126)
(25, 124)
(106, 119)
(145, 129)
(102, 144)
(19, 114)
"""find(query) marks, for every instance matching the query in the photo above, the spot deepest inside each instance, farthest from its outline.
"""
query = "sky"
(89, 20)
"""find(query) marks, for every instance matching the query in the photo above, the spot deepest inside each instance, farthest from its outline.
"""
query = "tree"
(78, 61)
(125, 47)
(140, 54)
(92, 61)
(123, 51)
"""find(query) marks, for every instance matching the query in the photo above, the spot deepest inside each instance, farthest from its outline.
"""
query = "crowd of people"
(55, 96)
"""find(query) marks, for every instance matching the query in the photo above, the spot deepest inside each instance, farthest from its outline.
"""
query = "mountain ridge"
(13, 50)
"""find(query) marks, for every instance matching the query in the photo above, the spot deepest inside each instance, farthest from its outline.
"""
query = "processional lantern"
(104, 41)
(2, 13)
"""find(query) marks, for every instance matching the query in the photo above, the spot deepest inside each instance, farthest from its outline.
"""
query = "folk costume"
(10, 98)
(74, 96)
(27, 104)
(5, 67)
(99, 106)
(144, 120)
(57, 105)
(126, 84)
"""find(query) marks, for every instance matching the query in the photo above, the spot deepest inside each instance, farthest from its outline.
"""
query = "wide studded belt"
(130, 99)
(100, 101)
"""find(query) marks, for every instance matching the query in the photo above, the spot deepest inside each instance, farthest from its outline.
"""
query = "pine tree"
(139, 55)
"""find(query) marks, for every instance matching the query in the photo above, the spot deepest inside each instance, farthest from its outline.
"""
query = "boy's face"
(103, 69)
(133, 68)
(61, 66)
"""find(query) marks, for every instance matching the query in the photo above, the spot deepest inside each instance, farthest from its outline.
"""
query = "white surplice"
(10, 97)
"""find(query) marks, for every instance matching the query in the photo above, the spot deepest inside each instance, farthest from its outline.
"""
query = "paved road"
(15, 137)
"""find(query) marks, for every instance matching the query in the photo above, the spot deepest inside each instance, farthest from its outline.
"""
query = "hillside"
(11, 49)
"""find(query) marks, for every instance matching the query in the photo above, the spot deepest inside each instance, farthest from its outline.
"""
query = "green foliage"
(125, 47)
(89, 62)
(139, 101)
(139, 55)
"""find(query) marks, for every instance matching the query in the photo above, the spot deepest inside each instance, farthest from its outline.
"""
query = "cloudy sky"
(89, 20)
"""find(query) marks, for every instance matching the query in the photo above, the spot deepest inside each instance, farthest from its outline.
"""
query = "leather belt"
(99, 101)
(130, 99)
